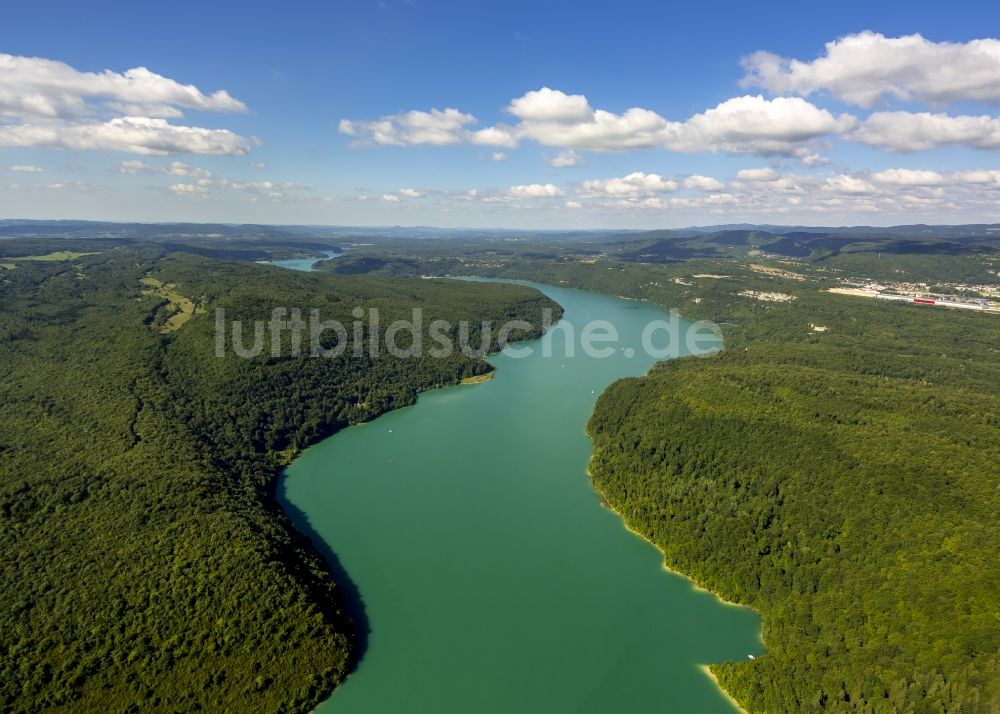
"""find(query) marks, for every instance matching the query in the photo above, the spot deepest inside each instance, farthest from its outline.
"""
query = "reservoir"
(303, 264)
(492, 577)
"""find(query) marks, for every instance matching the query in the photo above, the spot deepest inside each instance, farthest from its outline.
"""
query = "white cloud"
(634, 184)
(768, 194)
(410, 193)
(553, 118)
(175, 168)
(253, 186)
(534, 190)
(703, 183)
(551, 106)
(205, 184)
(865, 67)
(908, 177)
(390, 198)
(762, 174)
(27, 168)
(48, 88)
(908, 132)
(179, 168)
(436, 127)
(137, 135)
(848, 184)
(187, 189)
(565, 160)
(46, 103)
(498, 156)
(922, 178)
(493, 136)
(785, 126)
(977, 177)
(134, 166)
(815, 160)
(721, 199)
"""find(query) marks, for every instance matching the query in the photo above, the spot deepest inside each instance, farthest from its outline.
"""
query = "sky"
(493, 113)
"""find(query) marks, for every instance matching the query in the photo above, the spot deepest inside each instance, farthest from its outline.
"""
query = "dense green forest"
(844, 483)
(835, 468)
(146, 565)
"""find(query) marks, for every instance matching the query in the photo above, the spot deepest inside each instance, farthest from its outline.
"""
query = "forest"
(844, 483)
(835, 468)
(146, 565)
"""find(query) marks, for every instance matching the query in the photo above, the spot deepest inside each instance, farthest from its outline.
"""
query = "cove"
(491, 577)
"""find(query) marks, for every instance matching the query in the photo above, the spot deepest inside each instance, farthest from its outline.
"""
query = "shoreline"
(316, 546)
(706, 668)
(479, 378)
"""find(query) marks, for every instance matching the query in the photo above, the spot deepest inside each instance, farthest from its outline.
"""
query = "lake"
(303, 264)
(491, 576)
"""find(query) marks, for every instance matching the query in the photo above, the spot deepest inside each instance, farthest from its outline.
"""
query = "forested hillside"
(842, 482)
(145, 563)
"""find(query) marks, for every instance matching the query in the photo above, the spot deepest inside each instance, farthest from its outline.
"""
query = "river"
(491, 577)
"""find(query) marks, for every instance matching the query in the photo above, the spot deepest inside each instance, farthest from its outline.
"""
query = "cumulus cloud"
(634, 184)
(49, 104)
(533, 190)
(814, 160)
(137, 135)
(769, 194)
(410, 193)
(866, 67)
(905, 178)
(48, 88)
(762, 174)
(436, 127)
(909, 132)
(26, 168)
(187, 189)
(784, 126)
(179, 168)
(845, 183)
(565, 160)
(908, 177)
(550, 105)
(703, 183)
(553, 118)
(494, 136)
(390, 198)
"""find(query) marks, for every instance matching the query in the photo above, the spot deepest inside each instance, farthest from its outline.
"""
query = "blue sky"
(875, 129)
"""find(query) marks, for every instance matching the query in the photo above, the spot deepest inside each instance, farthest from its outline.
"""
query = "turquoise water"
(304, 264)
(492, 578)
